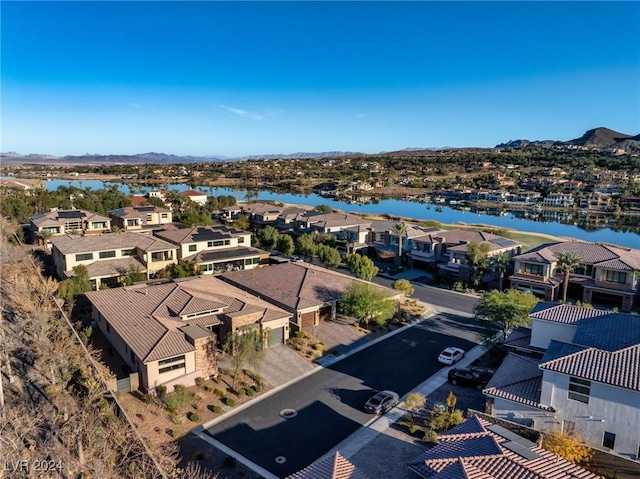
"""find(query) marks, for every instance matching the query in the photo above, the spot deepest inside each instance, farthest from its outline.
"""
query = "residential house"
(563, 200)
(310, 293)
(215, 249)
(140, 218)
(479, 448)
(231, 213)
(168, 333)
(384, 240)
(595, 201)
(446, 251)
(196, 196)
(587, 380)
(109, 256)
(332, 223)
(60, 222)
(262, 214)
(609, 275)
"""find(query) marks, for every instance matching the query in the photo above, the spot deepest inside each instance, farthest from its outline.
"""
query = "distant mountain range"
(598, 137)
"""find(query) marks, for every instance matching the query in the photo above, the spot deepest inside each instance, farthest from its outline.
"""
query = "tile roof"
(147, 317)
(619, 368)
(111, 267)
(609, 332)
(192, 193)
(107, 241)
(591, 254)
(54, 217)
(235, 252)
(564, 313)
(199, 233)
(518, 379)
(137, 211)
(484, 454)
(330, 467)
(293, 286)
(519, 337)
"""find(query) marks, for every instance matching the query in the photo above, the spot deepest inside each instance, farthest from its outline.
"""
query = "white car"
(451, 355)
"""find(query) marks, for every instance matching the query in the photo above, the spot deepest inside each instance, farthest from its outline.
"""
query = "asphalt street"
(329, 403)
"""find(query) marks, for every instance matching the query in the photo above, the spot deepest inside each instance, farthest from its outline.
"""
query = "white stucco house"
(587, 380)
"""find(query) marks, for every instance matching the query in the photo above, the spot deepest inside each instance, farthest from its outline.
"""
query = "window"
(84, 257)
(99, 225)
(172, 364)
(206, 267)
(241, 240)
(149, 218)
(128, 252)
(213, 244)
(132, 222)
(536, 269)
(616, 276)
(609, 440)
(161, 256)
(193, 247)
(107, 254)
(579, 389)
(164, 216)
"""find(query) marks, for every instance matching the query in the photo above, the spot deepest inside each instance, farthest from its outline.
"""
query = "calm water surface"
(442, 214)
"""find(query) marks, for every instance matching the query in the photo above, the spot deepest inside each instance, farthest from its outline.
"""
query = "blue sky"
(243, 78)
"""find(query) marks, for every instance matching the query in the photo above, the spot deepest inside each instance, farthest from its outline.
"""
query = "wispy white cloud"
(242, 113)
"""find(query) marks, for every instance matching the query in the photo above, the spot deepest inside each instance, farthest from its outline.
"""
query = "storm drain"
(288, 414)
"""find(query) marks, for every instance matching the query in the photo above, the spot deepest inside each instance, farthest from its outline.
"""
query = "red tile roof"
(331, 467)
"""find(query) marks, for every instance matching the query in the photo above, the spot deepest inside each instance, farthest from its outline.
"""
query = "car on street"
(381, 402)
(451, 355)
(468, 377)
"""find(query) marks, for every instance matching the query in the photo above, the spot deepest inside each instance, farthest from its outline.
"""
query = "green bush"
(193, 417)
(251, 392)
(242, 392)
(230, 402)
(414, 428)
(161, 390)
(148, 398)
(177, 419)
(219, 393)
(431, 436)
(319, 347)
(200, 381)
(208, 387)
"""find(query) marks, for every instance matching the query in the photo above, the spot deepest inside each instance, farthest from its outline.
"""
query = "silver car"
(381, 402)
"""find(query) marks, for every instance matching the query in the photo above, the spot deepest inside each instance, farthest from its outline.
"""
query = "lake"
(396, 207)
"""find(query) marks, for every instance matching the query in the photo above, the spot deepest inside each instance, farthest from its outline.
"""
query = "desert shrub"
(242, 392)
(177, 419)
(251, 392)
(175, 433)
(208, 387)
(140, 417)
(161, 390)
(319, 347)
(177, 400)
(198, 397)
(430, 436)
(219, 393)
(148, 398)
(193, 417)
(230, 402)
(179, 388)
(200, 381)
(414, 428)
(214, 409)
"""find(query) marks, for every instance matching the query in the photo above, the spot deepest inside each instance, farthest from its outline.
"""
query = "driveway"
(328, 404)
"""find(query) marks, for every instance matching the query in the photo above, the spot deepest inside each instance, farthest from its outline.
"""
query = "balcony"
(615, 286)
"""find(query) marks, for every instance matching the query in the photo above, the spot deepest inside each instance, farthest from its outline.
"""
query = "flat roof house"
(109, 256)
(168, 333)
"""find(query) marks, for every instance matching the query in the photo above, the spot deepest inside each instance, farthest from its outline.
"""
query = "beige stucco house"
(60, 222)
(169, 333)
(134, 218)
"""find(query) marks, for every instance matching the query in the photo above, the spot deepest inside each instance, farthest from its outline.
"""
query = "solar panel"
(521, 450)
(146, 208)
(511, 436)
(71, 214)
(502, 241)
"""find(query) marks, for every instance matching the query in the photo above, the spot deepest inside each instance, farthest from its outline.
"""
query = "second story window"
(132, 222)
(84, 257)
(579, 389)
(536, 269)
(240, 239)
(107, 254)
(616, 277)
(193, 247)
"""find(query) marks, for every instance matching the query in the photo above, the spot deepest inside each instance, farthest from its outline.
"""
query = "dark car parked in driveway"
(468, 377)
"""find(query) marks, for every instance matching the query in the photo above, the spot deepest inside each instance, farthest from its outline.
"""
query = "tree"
(285, 244)
(506, 309)
(184, 269)
(242, 222)
(244, 347)
(361, 266)
(500, 262)
(306, 246)
(568, 446)
(78, 284)
(478, 260)
(400, 229)
(329, 257)
(414, 402)
(323, 208)
(367, 302)
(566, 264)
(268, 237)
(403, 285)
(133, 275)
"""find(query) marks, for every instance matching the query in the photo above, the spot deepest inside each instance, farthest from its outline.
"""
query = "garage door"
(276, 336)
(308, 320)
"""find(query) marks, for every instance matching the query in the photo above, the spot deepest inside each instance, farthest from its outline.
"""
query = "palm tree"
(566, 264)
(500, 262)
(400, 229)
